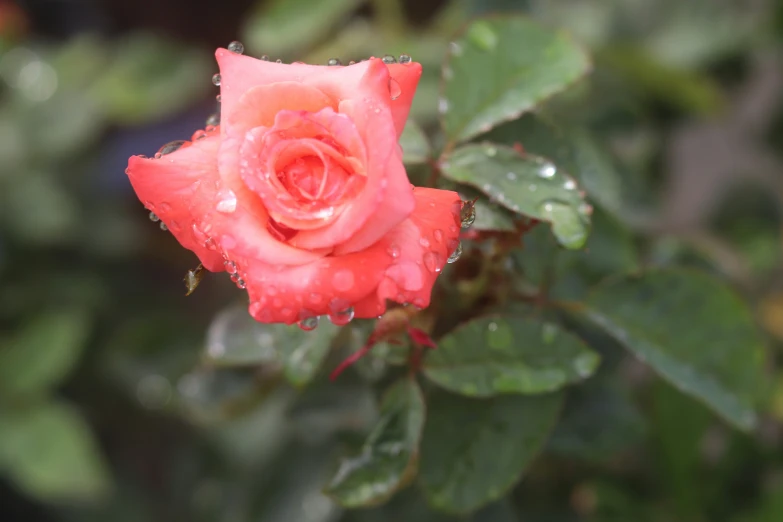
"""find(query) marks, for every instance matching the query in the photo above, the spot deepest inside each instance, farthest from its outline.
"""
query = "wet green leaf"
(500, 68)
(571, 149)
(42, 353)
(389, 456)
(529, 185)
(692, 330)
(496, 355)
(473, 451)
(49, 452)
(236, 339)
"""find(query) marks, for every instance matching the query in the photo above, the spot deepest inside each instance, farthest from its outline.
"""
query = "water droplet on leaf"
(547, 171)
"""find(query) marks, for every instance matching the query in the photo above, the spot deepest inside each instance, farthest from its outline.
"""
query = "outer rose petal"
(401, 266)
(240, 73)
(407, 77)
(180, 188)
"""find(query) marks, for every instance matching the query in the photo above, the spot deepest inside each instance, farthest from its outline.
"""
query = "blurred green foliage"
(636, 378)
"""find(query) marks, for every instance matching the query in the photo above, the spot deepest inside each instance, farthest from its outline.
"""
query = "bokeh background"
(684, 99)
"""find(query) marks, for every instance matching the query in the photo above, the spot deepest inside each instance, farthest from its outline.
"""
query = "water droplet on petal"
(334, 61)
(210, 244)
(264, 58)
(423, 241)
(547, 171)
(216, 79)
(309, 324)
(438, 235)
(241, 283)
(340, 313)
(343, 280)
(467, 214)
(213, 120)
(432, 262)
(405, 59)
(154, 217)
(163, 226)
(394, 89)
(278, 61)
(389, 59)
(455, 255)
(170, 147)
(236, 47)
(393, 250)
(231, 267)
(227, 201)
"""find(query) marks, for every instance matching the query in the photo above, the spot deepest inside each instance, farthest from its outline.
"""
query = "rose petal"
(241, 73)
(387, 189)
(406, 75)
(400, 267)
(181, 188)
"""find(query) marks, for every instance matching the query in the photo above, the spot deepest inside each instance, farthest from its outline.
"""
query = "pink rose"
(301, 193)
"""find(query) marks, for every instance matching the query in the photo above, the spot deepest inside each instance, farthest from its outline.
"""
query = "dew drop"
(264, 57)
(455, 255)
(438, 235)
(339, 313)
(227, 201)
(569, 184)
(423, 241)
(389, 59)
(547, 171)
(467, 215)
(218, 98)
(236, 47)
(394, 89)
(216, 79)
(278, 61)
(405, 59)
(210, 244)
(170, 147)
(432, 262)
(231, 267)
(334, 61)
(241, 283)
(393, 250)
(343, 280)
(154, 217)
(308, 324)
(213, 120)
(163, 226)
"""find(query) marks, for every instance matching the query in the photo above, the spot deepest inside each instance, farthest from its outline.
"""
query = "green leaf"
(42, 353)
(525, 184)
(474, 451)
(691, 329)
(414, 143)
(236, 339)
(500, 68)
(571, 149)
(495, 355)
(389, 456)
(599, 421)
(284, 26)
(49, 452)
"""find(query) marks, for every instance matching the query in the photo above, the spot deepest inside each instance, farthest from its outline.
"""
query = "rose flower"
(300, 193)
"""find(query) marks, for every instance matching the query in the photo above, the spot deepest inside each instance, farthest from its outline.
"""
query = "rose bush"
(301, 194)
